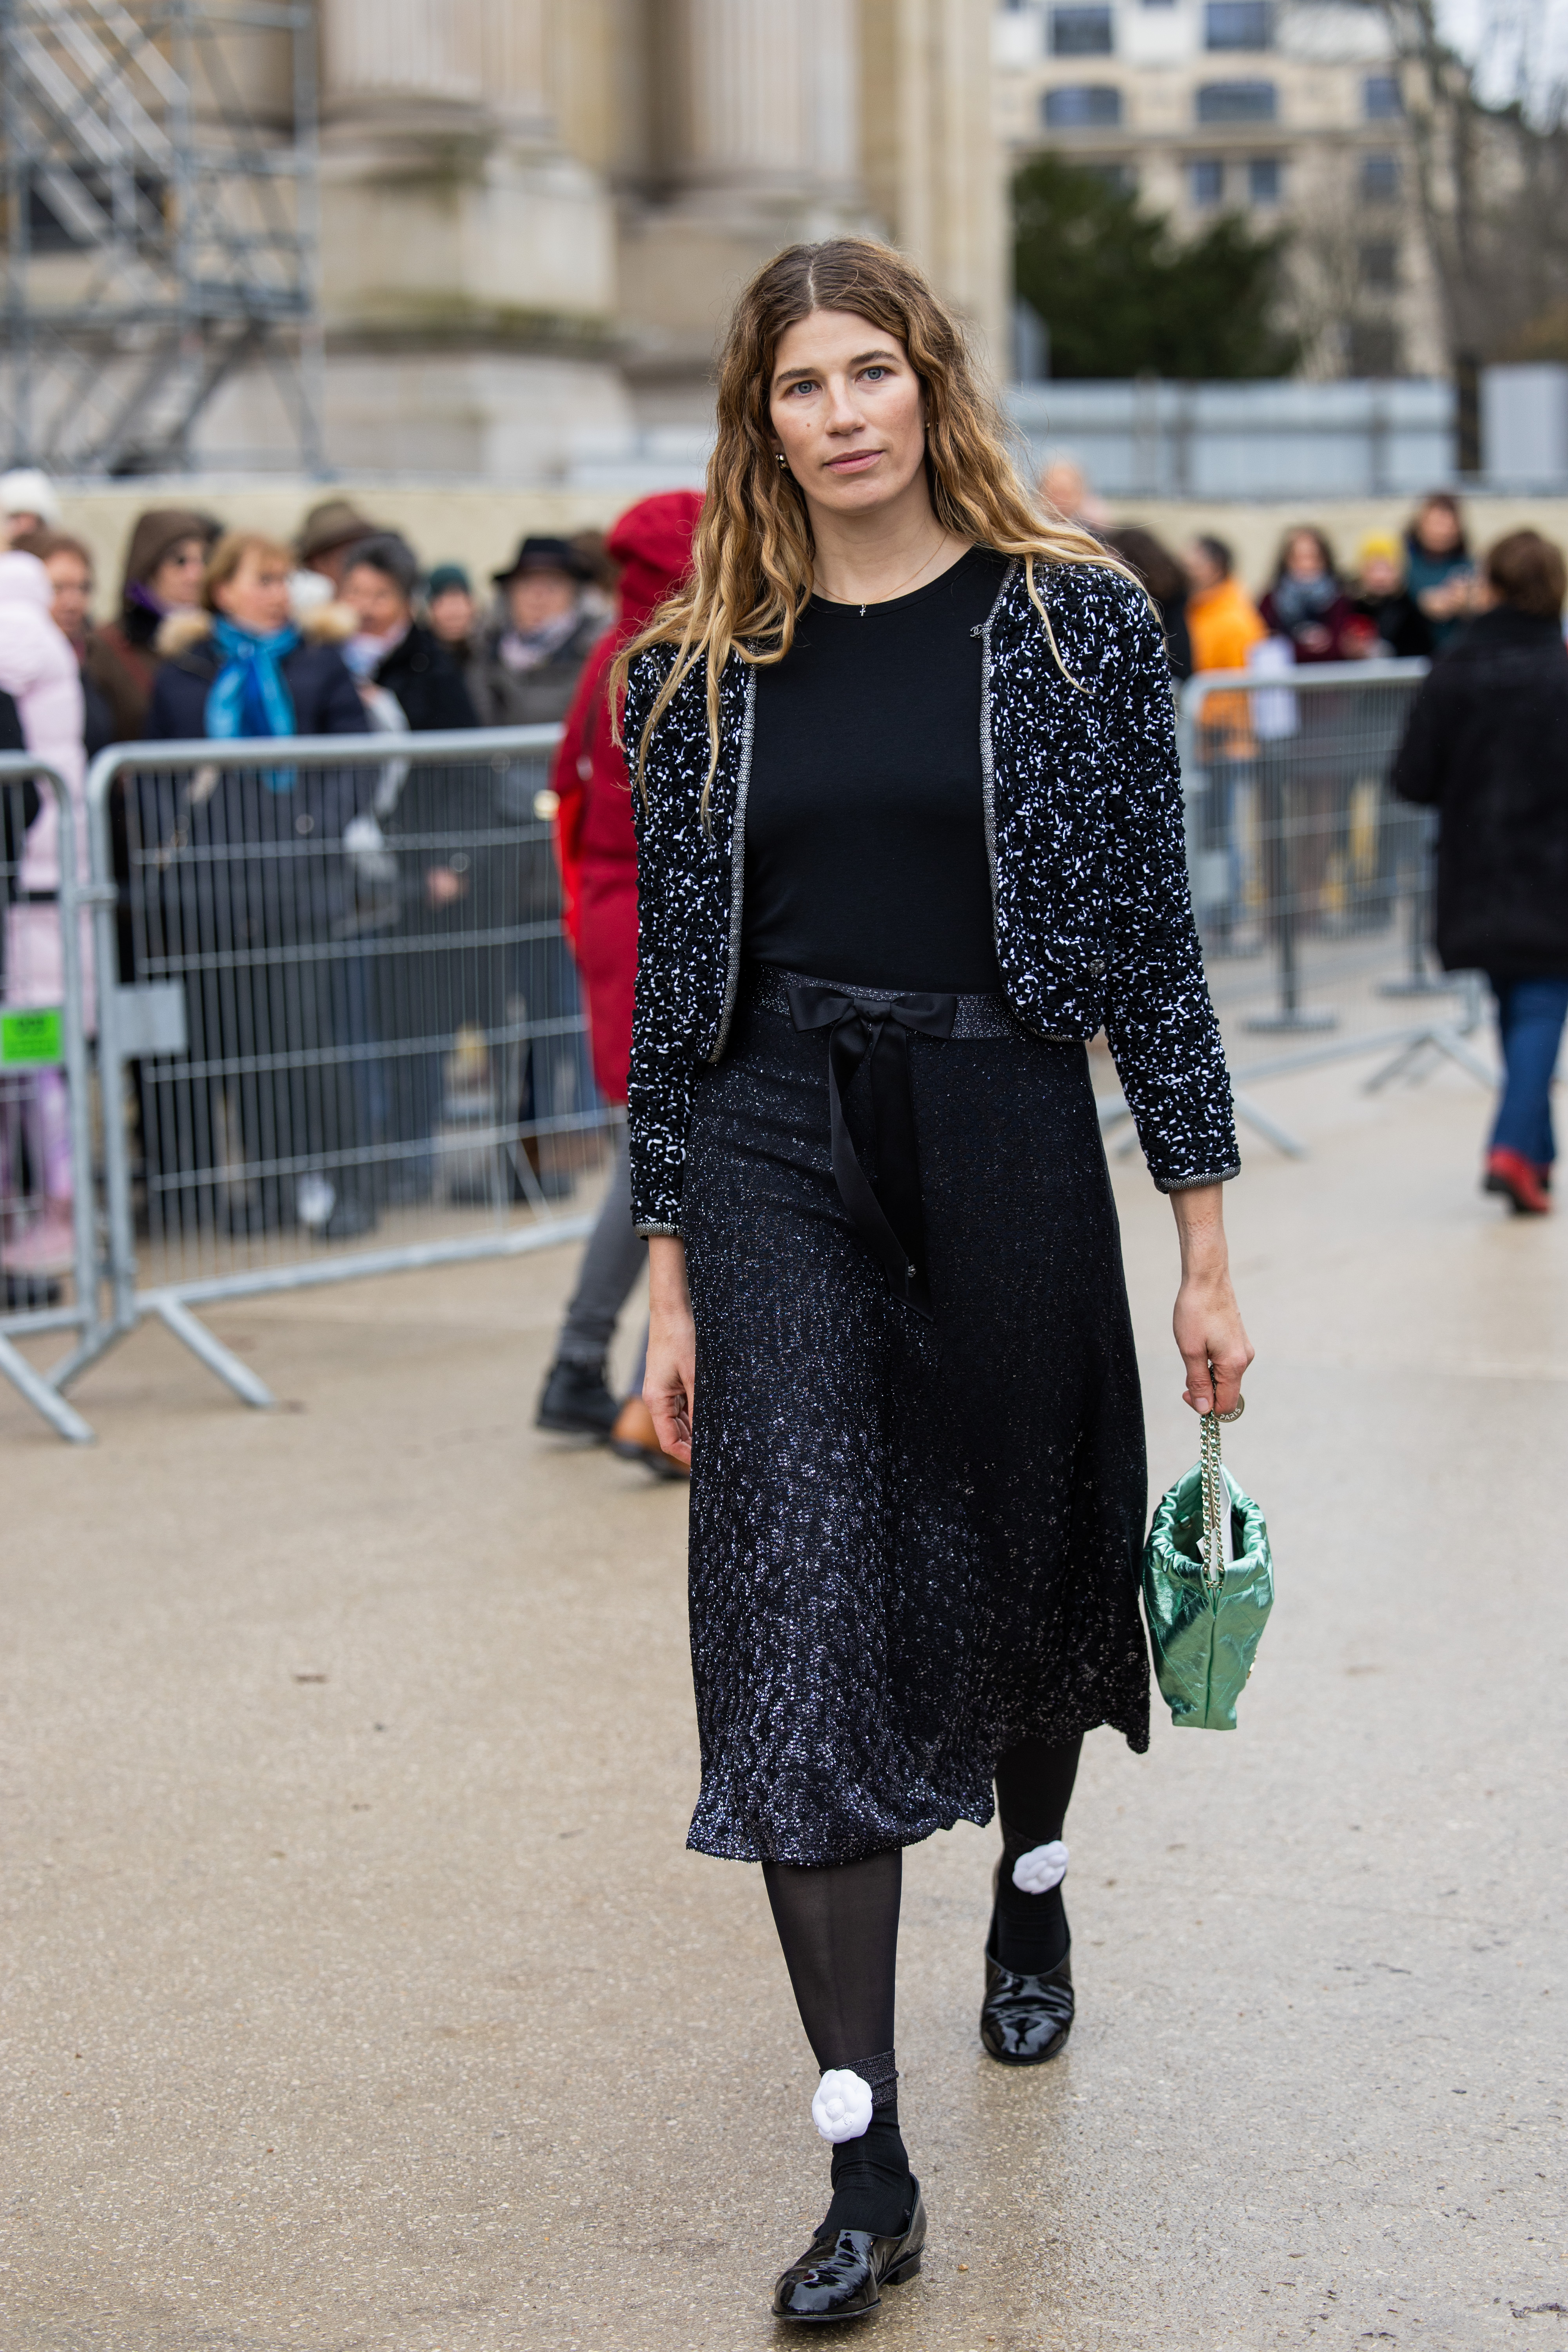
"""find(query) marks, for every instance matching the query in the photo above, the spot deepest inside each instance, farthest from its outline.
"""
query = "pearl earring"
(780, 456)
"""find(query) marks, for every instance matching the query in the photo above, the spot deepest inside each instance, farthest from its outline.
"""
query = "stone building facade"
(1290, 110)
(534, 213)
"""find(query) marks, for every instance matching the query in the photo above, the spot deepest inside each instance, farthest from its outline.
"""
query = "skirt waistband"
(984, 1015)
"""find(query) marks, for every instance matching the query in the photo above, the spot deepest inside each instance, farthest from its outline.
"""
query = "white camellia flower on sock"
(1042, 1867)
(842, 2107)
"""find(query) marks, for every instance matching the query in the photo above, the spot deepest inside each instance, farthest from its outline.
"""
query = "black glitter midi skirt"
(914, 1540)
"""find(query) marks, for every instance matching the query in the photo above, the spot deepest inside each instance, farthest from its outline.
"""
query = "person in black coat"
(393, 650)
(241, 869)
(426, 984)
(1487, 746)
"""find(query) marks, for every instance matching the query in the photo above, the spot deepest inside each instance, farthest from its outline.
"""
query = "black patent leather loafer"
(841, 2276)
(1025, 2020)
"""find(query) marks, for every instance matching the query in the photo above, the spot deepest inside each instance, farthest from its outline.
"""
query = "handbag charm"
(1208, 1586)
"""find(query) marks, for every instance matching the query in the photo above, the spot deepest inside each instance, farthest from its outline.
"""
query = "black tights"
(839, 1931)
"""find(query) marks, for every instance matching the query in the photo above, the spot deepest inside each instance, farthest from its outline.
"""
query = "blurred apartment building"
(528, 221)
(1289, 110)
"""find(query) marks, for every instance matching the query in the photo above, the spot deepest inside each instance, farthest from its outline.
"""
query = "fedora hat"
(540, 554)
(334, 523)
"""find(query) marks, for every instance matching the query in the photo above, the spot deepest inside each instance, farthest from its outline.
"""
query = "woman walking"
(1487, 746)
(909, 832)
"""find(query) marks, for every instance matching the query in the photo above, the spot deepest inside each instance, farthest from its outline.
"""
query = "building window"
(1265, 178)
(1238, 24)
(1380, 266)
(1088, 107)
(1080, 32)
(1379, 98)
(1206, 179)
(1120, 178)
(1237, 102)
(1380, 178)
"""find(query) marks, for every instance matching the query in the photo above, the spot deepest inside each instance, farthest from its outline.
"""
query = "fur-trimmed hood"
(327, 624)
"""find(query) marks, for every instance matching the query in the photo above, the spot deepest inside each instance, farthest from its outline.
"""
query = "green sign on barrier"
(31, 1040)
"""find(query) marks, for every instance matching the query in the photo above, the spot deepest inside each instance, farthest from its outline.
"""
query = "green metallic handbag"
(1208, 1586)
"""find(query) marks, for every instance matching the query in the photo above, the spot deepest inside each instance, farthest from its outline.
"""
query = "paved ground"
(359, 1994)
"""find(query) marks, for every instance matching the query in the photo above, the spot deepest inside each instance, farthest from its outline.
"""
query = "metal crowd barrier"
(1311, 882)
(340, 1033)
(46, 1249)
(337, 1025)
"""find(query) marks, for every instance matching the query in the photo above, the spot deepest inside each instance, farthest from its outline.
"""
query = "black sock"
(871, 2178)
(1033, 1784)
(839, 1929)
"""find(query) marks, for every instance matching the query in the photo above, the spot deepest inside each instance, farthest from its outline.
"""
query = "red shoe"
(1518, 1180)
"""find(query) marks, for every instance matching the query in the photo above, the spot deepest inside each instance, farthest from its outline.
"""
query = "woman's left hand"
(1208, 1322)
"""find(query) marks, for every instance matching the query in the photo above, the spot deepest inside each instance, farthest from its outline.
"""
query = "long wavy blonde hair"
(753, 556)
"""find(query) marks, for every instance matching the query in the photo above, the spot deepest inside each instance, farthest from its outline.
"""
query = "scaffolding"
(160, 234)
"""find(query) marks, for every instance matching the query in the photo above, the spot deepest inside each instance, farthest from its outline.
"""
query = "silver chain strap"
(1217, 1495)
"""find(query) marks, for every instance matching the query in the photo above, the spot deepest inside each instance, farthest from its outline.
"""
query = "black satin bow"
(887, 1215)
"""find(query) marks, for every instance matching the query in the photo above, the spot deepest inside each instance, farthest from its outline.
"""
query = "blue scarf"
(250, 694)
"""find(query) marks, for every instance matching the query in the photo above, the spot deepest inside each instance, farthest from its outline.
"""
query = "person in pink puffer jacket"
(38, 669)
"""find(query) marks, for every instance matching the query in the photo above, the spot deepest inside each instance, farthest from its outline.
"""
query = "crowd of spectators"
(337, 1061)
(336, 932)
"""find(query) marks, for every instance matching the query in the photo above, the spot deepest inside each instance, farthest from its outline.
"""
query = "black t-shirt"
(864, 823)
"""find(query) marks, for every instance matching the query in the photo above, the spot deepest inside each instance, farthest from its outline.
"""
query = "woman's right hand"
(669, 1385)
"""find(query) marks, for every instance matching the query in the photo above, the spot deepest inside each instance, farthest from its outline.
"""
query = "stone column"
(934, 166)
(469, 262)
(763, 99)
(429, 49)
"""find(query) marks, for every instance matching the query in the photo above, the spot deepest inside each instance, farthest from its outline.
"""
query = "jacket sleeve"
(663, 1078)
(566, 783)
(1159, 1021)
(1421, 764)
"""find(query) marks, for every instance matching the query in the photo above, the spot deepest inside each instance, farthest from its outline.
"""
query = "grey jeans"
(612, 1262)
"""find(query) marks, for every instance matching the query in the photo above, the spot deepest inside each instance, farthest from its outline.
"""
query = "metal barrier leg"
(1248, 1115)
(62, 1418)
(177, 1316)
(1441, 1041)
(1281, 885)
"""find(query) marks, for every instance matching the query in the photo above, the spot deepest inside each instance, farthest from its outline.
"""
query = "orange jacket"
(1224, 624)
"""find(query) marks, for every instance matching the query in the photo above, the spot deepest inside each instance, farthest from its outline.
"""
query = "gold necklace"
(902, 584)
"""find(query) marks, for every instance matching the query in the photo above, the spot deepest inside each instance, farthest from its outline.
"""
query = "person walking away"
(597, 849)
(39, 670)
(1439, 569)
(1151, 561)
(532, 654)
(164, 561)
(1386, 622)
(246, 892)
(875, 936)
(1487, 747)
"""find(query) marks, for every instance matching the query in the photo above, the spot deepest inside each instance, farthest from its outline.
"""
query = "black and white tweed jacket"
(1089, 879)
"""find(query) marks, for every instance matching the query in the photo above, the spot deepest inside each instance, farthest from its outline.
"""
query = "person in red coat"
(598, 856)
